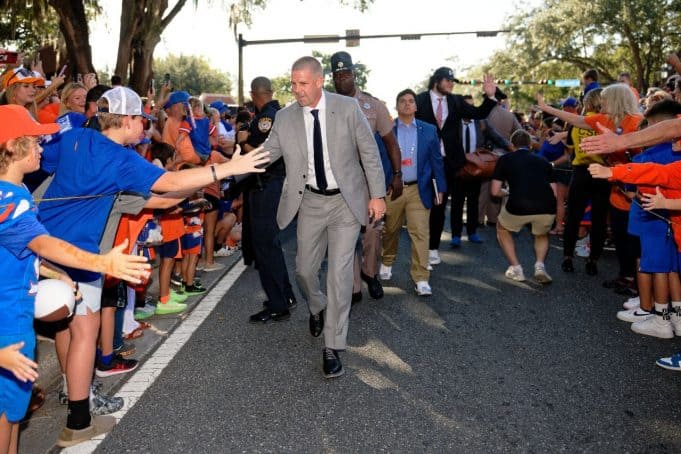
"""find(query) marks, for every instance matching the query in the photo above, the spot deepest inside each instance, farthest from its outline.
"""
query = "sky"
(394, 64)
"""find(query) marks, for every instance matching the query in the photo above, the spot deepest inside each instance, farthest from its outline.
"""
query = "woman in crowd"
(619, 112)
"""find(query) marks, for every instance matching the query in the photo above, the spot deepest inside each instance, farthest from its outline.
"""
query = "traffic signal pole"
(349, 38)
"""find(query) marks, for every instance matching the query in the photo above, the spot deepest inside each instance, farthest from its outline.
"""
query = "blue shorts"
(169, 250)
(658, 253)
(14, 394)
(191, 244)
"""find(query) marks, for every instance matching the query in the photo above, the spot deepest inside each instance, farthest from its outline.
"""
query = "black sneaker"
(176, 279)
(194, 289)
(119, 365)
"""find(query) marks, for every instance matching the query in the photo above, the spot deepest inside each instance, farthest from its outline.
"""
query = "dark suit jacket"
(450, 133)
(487, 137)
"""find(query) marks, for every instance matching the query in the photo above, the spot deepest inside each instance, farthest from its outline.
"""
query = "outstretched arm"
(200, 177)
(607, 142)
(573, 119)
(114, 263)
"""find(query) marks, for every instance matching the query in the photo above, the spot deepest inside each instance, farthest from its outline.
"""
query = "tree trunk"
(142, 23)
(143, 58)
(131, 20)
(74, 27)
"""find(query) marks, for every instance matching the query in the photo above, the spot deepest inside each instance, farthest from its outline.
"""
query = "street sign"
(354, 41)
(567, 82)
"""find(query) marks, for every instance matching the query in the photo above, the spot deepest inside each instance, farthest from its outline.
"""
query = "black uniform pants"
(266, 244)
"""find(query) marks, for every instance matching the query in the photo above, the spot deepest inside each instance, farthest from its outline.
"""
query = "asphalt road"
(484, 365)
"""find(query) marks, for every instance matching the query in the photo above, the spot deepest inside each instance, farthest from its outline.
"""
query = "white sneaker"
(676, 320)
(385, 272)
(634, 315)
(423, 288)
(632, 303)
(541, 275)
(215, 266)
(655, 326)
(515, 273)
(434, 257)
(224, 251)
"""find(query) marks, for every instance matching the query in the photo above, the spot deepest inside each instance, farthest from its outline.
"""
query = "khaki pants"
(408, 205)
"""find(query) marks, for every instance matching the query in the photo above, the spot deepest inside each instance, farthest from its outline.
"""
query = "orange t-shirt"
(49, 113)
(630, 123)
(176, 133)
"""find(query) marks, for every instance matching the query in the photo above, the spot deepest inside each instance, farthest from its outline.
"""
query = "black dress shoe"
(567, 265)
(375, 287)
(292, 302)
(266, 315)
(332, 363)
(356, 297)
(316, 324)
(591, 268)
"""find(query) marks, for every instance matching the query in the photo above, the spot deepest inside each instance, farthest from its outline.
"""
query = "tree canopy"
(192, 74)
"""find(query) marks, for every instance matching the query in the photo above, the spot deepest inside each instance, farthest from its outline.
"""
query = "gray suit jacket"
(353, 155)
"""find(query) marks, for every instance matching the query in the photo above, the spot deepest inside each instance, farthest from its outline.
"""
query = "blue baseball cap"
(220, 106)
(176, 97)
(569, 102)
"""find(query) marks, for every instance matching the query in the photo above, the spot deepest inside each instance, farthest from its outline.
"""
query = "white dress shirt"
(309, 132)
(474, 137)
(434, 97)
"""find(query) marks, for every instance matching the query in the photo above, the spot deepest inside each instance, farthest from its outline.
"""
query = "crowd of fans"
(185, 229)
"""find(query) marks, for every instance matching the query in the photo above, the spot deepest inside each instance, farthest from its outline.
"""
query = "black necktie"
(468, 138)
(319, 173)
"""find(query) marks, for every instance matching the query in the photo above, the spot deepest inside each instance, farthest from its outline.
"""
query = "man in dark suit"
(422, 170)
(334, 184)
(475, 134)
(439, 107)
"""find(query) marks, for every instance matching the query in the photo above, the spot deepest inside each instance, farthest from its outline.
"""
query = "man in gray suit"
(333, 173)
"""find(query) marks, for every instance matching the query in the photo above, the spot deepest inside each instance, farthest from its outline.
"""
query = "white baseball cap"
(124, 101)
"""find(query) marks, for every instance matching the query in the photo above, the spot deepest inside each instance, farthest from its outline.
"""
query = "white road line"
(146, 375)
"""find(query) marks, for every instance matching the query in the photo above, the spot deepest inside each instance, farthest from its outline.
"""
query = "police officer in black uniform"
(263, 198)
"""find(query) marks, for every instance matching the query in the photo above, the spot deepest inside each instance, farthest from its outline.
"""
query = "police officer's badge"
(265, 124)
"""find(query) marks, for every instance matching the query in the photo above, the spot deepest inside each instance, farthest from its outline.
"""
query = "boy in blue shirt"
(90, 168)
(22, 240)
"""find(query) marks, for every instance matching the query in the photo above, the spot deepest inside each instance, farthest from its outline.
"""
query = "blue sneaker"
(456, 242)
(474, 238)
(670, 363)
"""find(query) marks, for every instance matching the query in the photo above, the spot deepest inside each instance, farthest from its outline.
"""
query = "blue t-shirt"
(199, 135)
(642, 222)
(551, 152)
(90, 165)
(70, 120)
(18, 264)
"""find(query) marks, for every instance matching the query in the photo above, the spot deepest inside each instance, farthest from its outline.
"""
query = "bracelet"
(215, 175)
(397, 172)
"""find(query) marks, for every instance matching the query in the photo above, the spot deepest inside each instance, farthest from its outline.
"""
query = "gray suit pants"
(326, 222)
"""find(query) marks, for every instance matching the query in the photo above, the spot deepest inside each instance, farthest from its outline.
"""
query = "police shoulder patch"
(264, 124)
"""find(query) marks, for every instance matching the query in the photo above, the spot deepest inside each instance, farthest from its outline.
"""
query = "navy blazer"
(429, 163)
